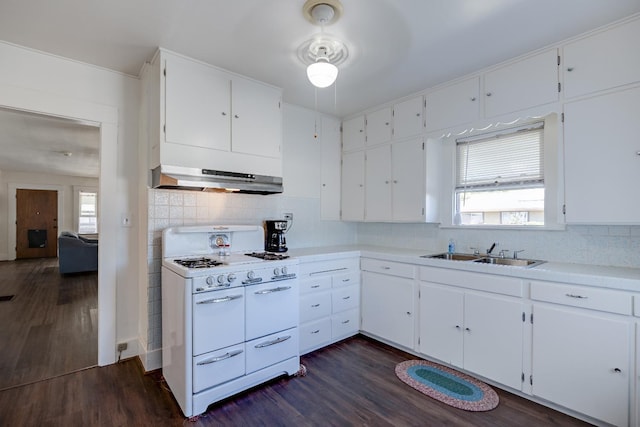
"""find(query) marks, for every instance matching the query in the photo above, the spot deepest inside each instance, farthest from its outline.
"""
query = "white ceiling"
(397, 47)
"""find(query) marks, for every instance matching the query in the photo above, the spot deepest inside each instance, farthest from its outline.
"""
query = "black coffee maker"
(274, 240)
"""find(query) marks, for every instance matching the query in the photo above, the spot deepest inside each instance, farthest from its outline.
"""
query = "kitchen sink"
(483, 259)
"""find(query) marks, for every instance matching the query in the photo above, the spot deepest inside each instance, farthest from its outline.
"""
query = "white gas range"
(229, 318)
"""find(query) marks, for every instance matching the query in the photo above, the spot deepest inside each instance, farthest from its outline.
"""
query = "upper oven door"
(218, 319)
(271, 307)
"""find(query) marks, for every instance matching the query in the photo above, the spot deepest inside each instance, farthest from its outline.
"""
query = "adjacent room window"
(88, 212)
(500, 178)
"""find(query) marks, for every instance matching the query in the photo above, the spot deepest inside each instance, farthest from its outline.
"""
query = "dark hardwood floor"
(49, 327)
(351, 383)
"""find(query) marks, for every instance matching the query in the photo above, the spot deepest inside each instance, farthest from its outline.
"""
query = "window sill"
(555, 227)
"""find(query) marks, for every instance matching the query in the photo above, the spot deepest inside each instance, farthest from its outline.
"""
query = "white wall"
(71, 82)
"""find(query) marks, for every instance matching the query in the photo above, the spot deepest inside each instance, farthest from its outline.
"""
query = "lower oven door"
(218, 320)
(271, 307)
(269, 350)
(218, 367)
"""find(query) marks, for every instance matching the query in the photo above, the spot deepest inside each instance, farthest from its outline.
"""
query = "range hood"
(184, 178)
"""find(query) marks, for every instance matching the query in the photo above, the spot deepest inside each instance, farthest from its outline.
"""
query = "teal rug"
(447, 385)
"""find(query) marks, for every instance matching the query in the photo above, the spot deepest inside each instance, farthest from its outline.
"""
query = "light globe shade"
(322, 74)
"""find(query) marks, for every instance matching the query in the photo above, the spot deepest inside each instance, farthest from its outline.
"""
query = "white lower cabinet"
(481, 333)
(329, 301)
(388, 301)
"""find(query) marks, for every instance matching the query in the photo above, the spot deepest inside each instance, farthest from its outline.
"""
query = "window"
(87, 212)
(500, 178)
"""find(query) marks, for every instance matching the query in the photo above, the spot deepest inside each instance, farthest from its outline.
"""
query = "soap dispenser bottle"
(452, 246)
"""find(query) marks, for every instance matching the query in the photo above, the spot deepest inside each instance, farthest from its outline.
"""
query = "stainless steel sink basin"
(454, 257)
(517, 262)
(483, 259)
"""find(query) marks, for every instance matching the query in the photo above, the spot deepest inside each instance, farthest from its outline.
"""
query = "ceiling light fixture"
(322, 54)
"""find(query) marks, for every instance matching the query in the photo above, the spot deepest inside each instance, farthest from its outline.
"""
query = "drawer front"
(217, 367)
(479, 281)
(315, 334)
(274, 348)
(346, 279)
(386, 267)
(315, 284)
(314, 306)
(329, 267)
(345, 324)
(583, 296)
(345, 298)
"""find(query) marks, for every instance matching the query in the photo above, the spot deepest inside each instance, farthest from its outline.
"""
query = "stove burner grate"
(202, 262)
(268, 256)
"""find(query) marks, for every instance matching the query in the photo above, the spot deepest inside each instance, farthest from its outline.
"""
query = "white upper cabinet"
(523, 84)
(352, 194)
(453, 105)
(378, 126)
(378, 184)
(408, 180)
(256, 118)
(602, 159)
(353, 135)
(408, 118)
(602, 61)
(197, 104)
(330, 169)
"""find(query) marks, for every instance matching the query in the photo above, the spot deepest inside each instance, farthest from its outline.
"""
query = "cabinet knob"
(617, 370)
(236, 116)
(570, 69)
(361, 130)
(395, 181)
(467, 329)
(324, 185)
(488, 93)
(386, 123)
(457, 326)
(473, 98)
(224, 114)
(408, 313)
(637, 153)
(417, 114)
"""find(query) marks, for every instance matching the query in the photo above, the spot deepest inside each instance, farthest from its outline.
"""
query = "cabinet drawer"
(345, 324)
(314, 306)
(479, 281)
(329, 267)
(582, 296)
(346, 279)
(274, 348)
(345, 298)
(314, 334)
(315, 284)
(387, 267)
(217, 367)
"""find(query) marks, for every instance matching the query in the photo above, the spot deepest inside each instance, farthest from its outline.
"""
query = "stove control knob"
(210, 280)
(251, 275)
(276, 271)
(220, 279)
(231, 277)
(284, 270)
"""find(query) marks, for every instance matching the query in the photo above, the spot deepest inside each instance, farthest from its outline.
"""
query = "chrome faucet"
(491, 248)
(503, 253)
(515, 253)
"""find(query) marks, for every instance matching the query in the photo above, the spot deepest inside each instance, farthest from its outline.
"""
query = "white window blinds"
(506, 159)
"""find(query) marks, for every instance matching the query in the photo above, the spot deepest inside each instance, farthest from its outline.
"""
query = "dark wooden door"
(36, 223)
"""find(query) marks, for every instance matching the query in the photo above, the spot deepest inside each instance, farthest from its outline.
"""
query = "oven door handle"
(272, 290)
(217, 300)
(273, 342)
(220, 358)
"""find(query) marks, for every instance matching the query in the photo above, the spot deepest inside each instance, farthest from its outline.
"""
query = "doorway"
(36, 224)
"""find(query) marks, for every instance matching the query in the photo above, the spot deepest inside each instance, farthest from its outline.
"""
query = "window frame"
(77, 207)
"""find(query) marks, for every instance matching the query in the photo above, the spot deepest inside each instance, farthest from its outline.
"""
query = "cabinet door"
(379, 126)
(602, 164)
(330, 170)
(602, 61)
(378, 184)
(387, 307)
(197, 105)
(408, 189)
(524, 84)
(352, 186)
(581, 361)
(257, 118)
(353, 134)
(441, 323)
(453, 105)
(493, 334)
(407, 118)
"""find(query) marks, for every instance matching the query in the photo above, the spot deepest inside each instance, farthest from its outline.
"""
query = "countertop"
(621, 278)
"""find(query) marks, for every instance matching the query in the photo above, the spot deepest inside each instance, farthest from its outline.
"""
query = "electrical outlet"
(122, 346)
(288, 216)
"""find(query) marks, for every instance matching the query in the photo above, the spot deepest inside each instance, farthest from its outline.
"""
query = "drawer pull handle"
(220, 358)
(272, 290)
(346, 280)
(217, 300)
(617, 370)
(344, 322)
(315, 305)
(347, 297)
(316, 331)
(328, 271)
(272, 342)
(576, 296)
(384, 267)
(315, 286)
